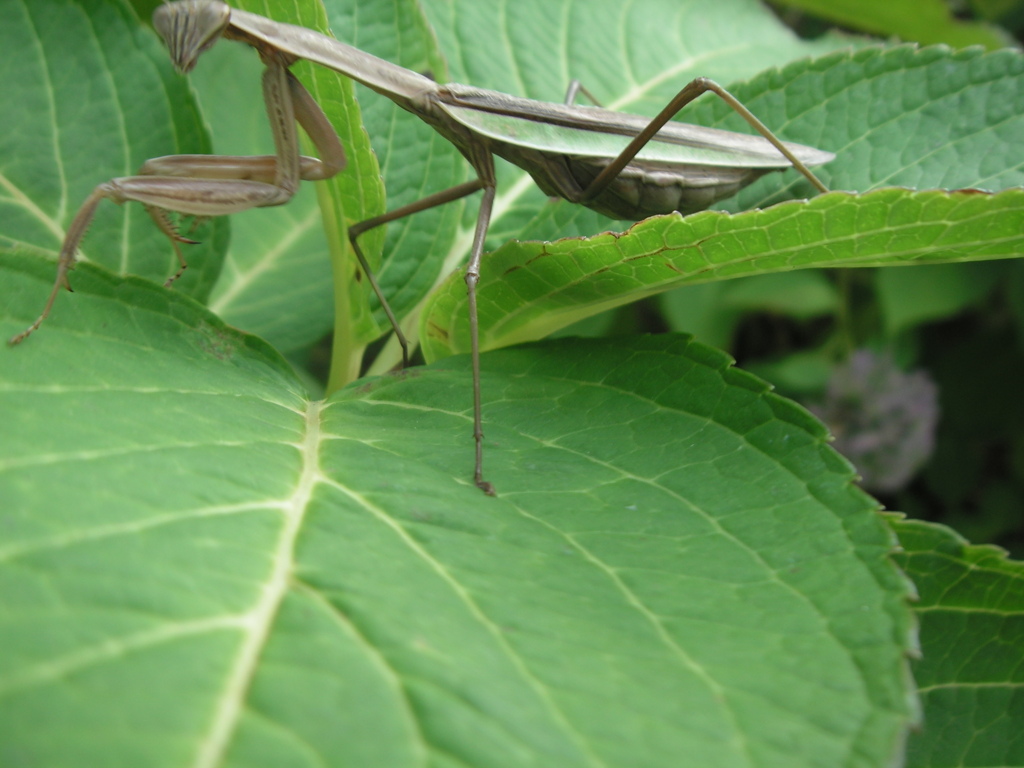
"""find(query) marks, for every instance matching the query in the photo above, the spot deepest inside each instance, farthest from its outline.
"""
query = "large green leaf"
(971, 611)
(202, 566)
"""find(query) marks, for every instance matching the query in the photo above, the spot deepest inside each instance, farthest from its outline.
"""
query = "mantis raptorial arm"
(216, 185)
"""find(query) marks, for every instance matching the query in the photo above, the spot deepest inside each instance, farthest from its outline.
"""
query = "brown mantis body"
(577, 153)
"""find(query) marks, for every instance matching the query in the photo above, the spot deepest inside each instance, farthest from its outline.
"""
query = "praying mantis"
(622, 165)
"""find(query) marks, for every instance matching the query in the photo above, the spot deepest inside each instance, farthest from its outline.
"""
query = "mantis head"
(189, 28)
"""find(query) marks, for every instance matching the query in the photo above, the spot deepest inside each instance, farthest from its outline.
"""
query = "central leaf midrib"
(260, 620)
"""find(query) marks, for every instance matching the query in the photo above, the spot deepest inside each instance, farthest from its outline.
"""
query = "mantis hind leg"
(692, 90)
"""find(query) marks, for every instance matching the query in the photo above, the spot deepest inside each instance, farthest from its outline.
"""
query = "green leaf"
(910, 298)
(202, 566)
(922, 118)
(803, 374)
(923, 21)
(529, 289)
(971, 613)
(711, 311)
(798, 294)
(89, 95)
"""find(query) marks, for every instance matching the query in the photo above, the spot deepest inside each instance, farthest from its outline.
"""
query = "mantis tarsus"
(626, 166)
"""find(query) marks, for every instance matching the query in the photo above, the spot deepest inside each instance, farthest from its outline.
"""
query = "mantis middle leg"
(483, 163)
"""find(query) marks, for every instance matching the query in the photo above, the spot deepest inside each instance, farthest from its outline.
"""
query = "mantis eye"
(189, 28)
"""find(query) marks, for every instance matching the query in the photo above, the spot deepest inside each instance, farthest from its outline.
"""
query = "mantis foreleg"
(205, 185)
